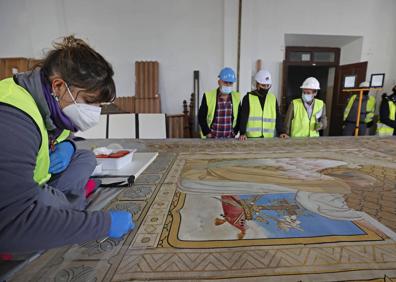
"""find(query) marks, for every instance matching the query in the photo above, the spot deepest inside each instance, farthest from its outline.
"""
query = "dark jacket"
(384, 111)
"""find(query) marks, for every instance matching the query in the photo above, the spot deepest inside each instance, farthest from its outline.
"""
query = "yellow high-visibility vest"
(211, 101)
(16, 96)
(370, 108)
(383, 129)
(261, 122)
(302, 125)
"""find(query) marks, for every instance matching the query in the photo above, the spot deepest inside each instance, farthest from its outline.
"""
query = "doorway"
(340, 98)
(331, 78)
(303, 62)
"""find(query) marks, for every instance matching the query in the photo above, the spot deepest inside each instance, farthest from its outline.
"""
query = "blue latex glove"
(61, 157)
(121, 223)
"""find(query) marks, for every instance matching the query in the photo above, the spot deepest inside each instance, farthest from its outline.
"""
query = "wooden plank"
(148, 105)
(156, 79)
(10, 66)
(137, 85)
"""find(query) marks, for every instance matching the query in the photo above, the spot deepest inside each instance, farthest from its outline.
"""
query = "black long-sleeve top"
(203, 113)
(384, 114)
(244, 114)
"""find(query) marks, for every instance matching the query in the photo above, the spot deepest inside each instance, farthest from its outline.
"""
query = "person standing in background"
(218, 115)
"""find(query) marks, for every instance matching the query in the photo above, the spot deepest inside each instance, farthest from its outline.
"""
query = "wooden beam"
(239, 42)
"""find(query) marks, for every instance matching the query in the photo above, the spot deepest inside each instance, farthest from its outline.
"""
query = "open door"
(282, 100)
(340, 98)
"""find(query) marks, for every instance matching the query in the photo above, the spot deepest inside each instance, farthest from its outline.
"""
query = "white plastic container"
(116, 163)
(98, 169)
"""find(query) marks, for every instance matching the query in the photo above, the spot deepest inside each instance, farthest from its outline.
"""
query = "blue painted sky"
(312, 224)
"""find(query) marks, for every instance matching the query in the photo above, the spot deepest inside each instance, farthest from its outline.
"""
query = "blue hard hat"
(227, 75)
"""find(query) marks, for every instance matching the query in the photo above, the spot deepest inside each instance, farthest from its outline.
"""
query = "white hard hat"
(364, 84)
(310, 83)
(263, 77)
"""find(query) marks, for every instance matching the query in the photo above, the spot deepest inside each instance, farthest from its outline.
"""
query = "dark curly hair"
(81, 66)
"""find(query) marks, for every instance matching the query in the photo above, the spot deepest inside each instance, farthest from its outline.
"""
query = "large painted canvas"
(295, 210)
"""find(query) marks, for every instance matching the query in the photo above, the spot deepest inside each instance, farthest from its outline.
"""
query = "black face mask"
(262, 91)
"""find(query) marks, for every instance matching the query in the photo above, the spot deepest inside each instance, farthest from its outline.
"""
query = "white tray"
(116, 163)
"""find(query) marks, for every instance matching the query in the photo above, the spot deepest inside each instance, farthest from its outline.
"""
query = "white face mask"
(226, 89)
(83, 116)
(307, 97)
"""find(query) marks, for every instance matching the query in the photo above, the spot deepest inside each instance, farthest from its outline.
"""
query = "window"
(324, 57)
(300, 57)
(313, 55)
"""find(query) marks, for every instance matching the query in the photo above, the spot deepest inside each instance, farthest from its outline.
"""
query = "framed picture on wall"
(377, 80)
(349, 81)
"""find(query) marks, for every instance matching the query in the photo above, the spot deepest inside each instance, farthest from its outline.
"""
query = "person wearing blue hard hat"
(218, 113)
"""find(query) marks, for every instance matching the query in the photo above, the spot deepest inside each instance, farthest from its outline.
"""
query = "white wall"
(231, 10)
(187, 35)
(351, 53)
(13, 22)
(266, 22)
(183, 35)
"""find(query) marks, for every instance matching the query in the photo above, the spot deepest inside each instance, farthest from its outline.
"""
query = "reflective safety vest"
(63, 136)
(383, 129)
(302, 125)
(211, 101)
(16, 96)
(261, 122)
(370, 108)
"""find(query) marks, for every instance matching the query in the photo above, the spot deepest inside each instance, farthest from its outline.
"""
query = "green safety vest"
(370, 108)
(301, 125)
(16, 96)
(211, 101)
(261, 122)
(383, 129)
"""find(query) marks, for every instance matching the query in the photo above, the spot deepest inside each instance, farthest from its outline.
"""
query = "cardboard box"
(125, 104)
(146, 79)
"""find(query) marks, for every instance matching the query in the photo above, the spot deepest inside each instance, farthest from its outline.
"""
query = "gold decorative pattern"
(153, 250)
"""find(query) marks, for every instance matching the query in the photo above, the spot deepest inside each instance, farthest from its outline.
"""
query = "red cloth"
(89, 187)
(233, 211)
(5, 256)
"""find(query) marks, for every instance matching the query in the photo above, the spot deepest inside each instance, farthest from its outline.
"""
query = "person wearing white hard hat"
(366, 113)
(218, 114)
(306, 115)
(260, 116)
